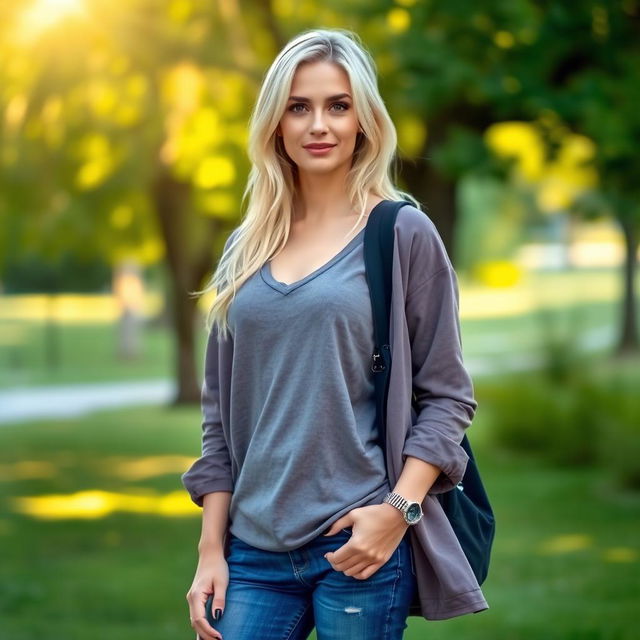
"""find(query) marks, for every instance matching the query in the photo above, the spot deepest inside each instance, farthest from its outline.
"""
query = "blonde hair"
(271, 185)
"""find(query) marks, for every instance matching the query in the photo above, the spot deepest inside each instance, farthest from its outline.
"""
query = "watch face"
(413, 512)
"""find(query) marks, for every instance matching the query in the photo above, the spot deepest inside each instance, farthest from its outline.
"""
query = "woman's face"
(320, 111)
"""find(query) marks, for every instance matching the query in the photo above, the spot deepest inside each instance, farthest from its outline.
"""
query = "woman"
(302, 526)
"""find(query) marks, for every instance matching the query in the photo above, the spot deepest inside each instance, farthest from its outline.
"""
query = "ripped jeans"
(283, 595)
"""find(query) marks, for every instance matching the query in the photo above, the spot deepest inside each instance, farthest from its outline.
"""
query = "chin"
(320, 169)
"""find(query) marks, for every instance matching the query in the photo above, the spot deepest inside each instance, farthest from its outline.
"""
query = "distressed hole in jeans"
(353, 610)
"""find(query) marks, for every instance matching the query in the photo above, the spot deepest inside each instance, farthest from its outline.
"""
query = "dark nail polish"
(217, 613)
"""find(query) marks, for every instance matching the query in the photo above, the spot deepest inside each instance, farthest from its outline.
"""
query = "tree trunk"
(436, 191)
(189, 240)
(437, 194)
(628, 342)
(171, 200)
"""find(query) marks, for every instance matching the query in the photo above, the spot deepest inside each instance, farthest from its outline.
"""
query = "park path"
(19, 404)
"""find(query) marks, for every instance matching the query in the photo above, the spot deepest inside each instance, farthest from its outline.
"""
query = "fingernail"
(217, 613)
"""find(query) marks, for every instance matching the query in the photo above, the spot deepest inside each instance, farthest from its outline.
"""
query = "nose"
(318, 125)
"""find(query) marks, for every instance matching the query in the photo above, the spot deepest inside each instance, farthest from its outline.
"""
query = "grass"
(564, 564)
(77, 353)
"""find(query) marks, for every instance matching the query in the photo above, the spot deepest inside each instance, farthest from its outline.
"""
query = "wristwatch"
(412, 511)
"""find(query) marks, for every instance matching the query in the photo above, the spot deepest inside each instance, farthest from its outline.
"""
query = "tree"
(134, 138)
(454, 68)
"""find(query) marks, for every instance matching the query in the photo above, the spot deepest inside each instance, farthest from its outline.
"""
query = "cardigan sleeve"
(212, 471)
(443, 388)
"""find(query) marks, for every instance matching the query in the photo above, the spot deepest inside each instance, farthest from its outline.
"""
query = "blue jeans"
(283, 595)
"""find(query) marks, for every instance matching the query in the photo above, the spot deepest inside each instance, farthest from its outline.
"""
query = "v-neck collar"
(284, 288)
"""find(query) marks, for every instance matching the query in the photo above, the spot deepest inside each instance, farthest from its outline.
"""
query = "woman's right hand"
(212, 576)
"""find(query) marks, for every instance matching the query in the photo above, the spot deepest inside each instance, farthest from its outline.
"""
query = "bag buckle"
(377, 364)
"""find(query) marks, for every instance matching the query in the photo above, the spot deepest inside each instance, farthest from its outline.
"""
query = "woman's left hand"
(377, 530)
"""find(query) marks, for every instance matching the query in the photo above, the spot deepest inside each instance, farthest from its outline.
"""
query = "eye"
(294, 107)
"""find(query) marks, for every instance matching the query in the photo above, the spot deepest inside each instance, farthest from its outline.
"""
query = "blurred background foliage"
(122, 164)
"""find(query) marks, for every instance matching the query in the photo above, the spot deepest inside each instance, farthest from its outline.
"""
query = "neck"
(321, 198)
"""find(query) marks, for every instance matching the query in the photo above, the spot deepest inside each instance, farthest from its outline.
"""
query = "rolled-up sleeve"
(212, 471)
(443, 389)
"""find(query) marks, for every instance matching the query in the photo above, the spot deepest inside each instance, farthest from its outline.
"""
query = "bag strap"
(379, 239)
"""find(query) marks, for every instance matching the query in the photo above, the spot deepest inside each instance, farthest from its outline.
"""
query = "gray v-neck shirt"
(428, 365)
(303, 443)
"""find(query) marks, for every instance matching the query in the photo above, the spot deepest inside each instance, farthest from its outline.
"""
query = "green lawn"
(77, 353)
(565, 561)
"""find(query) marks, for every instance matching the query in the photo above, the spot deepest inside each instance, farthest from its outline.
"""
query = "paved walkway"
(61, 401)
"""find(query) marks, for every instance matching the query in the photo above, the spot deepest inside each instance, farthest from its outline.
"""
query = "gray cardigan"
(426, 352)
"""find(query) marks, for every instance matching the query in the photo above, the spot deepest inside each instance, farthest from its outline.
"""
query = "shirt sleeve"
(212, 471)
(442, 386)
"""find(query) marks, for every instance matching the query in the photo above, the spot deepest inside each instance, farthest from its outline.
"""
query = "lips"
(318, 146)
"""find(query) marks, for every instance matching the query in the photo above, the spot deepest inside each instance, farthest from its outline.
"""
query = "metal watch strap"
(396, 500)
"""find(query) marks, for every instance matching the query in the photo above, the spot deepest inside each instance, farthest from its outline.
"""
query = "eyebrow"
(329, 99)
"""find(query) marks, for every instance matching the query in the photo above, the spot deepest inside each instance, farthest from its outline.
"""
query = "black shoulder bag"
(467, 505)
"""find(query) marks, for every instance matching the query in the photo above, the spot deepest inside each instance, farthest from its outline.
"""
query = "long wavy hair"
(271, 186)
